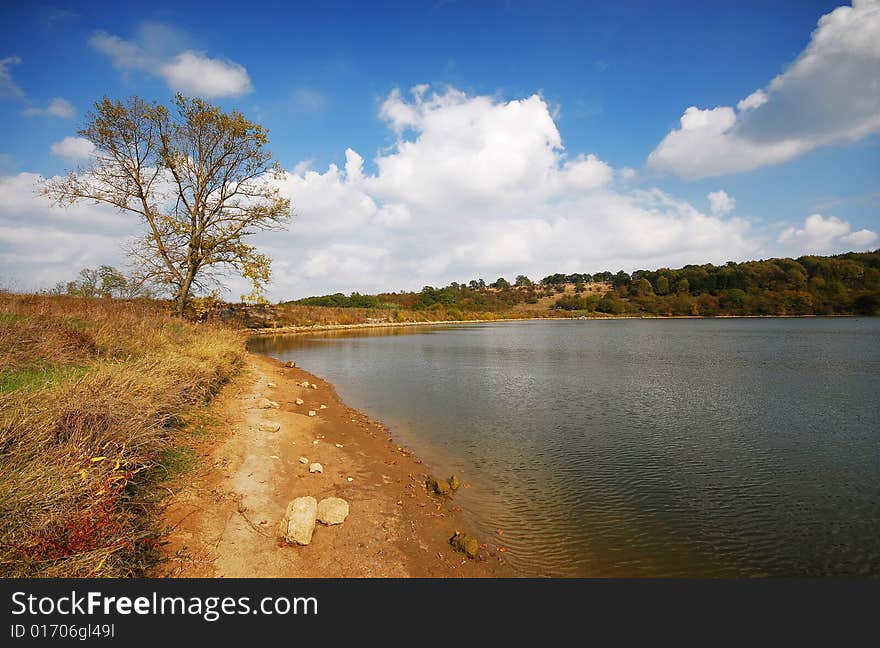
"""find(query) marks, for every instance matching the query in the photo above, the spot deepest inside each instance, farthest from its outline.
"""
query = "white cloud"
(159, 50)
(824, 235)
(862, 239)
(8, 87)
(476, 186)
(196, 74)
(720, 203)
(73, 148)
(829, 95)
(58, 107)
(755, 100)
(41, 245)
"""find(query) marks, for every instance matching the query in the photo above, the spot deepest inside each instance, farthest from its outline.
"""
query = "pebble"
(316, 468)
(299, 401)
(312, 413)
(270, 427)
(304, 460)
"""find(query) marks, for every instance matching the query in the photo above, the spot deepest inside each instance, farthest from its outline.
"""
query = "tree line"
(809, 285)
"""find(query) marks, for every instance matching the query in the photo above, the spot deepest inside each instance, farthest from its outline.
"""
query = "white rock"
(298, 523)
(270, 426)
(271, 384)
(315, 442)
(323, 407)
(265, 403)
(314, 386)
(304, 460)
(351, 479)
(312, 413)
(299, 401)
(316, 468)
(304, 383)
(332, 510)
(339, 445)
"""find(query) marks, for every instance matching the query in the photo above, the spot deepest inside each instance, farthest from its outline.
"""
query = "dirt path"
(223, 524)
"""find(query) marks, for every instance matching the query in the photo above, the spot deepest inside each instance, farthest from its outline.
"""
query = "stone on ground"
(265, 403)
(316, 468)
(298, 523)
(454, 483)
(438, 486)
(312, 413)
(270, 426)
(332, 510)
(304, 460)
(465, 543)
(299, 401)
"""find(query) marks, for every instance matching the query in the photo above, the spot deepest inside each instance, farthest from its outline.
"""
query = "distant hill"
(845, 284)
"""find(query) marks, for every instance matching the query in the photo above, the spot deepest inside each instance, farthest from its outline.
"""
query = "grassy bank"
(93, 395)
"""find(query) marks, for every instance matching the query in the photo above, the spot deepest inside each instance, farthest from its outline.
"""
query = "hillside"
(846, 284)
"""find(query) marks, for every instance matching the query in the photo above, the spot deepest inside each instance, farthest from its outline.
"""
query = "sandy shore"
(319, 328)
(223, 522)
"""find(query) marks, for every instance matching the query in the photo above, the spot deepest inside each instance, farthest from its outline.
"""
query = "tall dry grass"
(91, 393)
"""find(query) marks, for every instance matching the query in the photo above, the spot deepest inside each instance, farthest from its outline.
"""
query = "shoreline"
(323, 328)
(222, 524)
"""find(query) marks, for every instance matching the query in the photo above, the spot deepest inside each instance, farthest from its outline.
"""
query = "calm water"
(638, 448)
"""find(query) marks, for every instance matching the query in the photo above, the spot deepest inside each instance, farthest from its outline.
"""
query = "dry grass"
(295, 315)
(91, 395)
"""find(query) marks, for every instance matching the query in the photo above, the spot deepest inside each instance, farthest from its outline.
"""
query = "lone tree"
(199, 178)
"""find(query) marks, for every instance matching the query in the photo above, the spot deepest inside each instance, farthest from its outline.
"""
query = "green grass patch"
(6, 319)
(38, 378)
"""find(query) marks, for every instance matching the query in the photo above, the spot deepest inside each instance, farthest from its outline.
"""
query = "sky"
(430, 142)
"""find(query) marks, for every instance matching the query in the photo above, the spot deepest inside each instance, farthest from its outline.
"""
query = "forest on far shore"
(845, 284)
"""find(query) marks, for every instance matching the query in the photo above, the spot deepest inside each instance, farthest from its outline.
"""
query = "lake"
(698, 447)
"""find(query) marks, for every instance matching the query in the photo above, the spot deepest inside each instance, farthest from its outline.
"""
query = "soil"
(223, 521)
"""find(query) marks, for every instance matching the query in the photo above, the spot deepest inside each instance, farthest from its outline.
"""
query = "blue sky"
(614, 78)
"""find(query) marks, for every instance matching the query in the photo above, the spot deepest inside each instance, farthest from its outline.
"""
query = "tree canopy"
(201, 180)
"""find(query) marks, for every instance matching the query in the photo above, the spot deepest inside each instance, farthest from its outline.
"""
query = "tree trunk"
(183, 296)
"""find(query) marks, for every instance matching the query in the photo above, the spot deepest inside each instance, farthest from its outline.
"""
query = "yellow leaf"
(94, 459)
(82, 473)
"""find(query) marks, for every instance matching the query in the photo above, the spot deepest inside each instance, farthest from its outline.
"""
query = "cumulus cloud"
(57, 107)
(8, 87)
(196, 74)
(720, 203)
(823, 235)
(41, 245)
(73, 148)
(477, 186)
(159, 50)
(829, 95)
